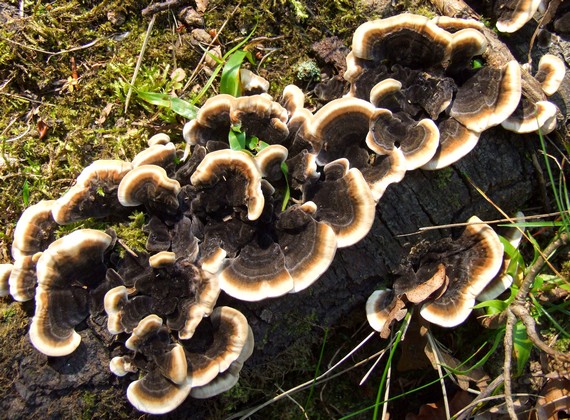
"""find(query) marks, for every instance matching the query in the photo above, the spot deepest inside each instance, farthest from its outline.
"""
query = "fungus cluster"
(262, 220)
(444, 278)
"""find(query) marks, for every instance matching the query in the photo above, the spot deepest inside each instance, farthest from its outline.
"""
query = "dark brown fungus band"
(309, 246)
(418, 141)
(94, 194)
(488, 98)
(151, 186)
(474, 260)
(513, 14)
(239, 167)
(257, 273)
(340, 128)
(218, 343)
(35, 230)
(66, 270)
(406, 39)
(344, 202)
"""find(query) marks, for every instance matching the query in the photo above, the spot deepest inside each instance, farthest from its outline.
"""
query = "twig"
(440, 374)
(294, 401)
(139, 62)
(538, 265)
(51, 53)
(487, 222)
(522, 313)
(508, 342)
(466, 411)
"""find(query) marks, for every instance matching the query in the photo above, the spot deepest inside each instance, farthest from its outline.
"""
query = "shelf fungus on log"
(237, 176)
(94, 194)
(444, 278)
(415, 69)
(513, 14)
(209, 362)
(531, 115)
(66, 271)
(151, 186)
(5, 271)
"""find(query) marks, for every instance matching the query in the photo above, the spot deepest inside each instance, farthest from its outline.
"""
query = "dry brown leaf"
(553, 401)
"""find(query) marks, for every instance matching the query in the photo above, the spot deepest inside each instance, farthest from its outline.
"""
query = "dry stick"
(508, 342)
(139, 62)
(467, 410)
(485, 222)
(497, 53)
(434, 349)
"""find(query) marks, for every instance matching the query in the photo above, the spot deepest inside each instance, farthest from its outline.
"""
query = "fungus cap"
(94, 194)
(158, 154)
(148, 183)
(513, 14)
(214, 168)
(469, 271)
(122, 365)
(382, 307)
(227, 379)
(455, 141)
(5, 271)
(34, 229)
(410, 40)
(257, 273)
(418, 141)
(551, 71)
(340, 126)
(488, 98)
(345, 203)
(230, 334)
(113, 303)
(155, 394)
(308, 246)
(22, 281)
(65, 270)
(529, 117)
(162, 259)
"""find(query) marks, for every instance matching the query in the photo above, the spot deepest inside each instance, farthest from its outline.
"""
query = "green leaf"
(252, 143)
(230, 81)
(180, 106)
(494, 306)
(522, 346)
(26, 193)
(236, 138)
(287, 194)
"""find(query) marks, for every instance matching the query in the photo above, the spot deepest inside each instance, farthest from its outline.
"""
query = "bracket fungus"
(265, 220)
(94, 194)
(69, 264)
(445, 279)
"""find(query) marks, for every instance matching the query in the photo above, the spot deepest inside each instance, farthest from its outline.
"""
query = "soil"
(65, 68)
